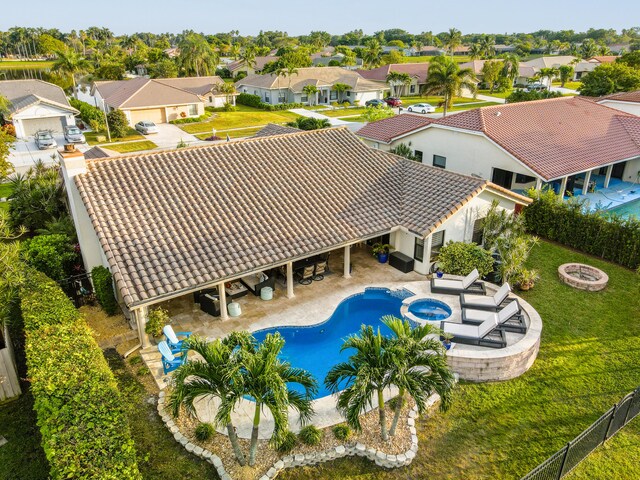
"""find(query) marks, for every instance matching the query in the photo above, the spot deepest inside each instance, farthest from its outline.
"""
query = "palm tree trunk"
(233, 438)
(383, 416)
(254, 436)
(446, 104)
(396, 415)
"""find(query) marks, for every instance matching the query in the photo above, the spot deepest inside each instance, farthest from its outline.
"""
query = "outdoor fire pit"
(583, 277)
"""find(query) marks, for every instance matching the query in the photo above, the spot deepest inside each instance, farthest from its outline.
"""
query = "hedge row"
(103, 286)
(88, 112)
(180, 121)
(615, 239)
(80, 413)
(256, 102)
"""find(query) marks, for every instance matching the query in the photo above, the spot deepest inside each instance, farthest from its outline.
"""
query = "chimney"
(72, 162)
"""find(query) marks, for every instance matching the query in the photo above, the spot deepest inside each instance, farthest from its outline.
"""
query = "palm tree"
(419, 367)
(565, 72)
(475, 51)
(446, 78)
(372, 55)
(453, 40)
(228, 89)
(70, 63)
(290, 70)
(340, 88)
(248, 57)
(196, 55)
(365, 375)
(398, 79)
(265, 378)
(511, 66)
(549, 73)
(310, 91)
(588, 49)
(213, 376)
(488, 46)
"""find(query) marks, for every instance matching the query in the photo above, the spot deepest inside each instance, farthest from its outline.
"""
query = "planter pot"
(525, 286)
(439, 274)
(383, 257)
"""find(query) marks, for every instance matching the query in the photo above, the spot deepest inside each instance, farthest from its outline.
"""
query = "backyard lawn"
(132, 134)
(243, 117)
(132, 146)
(239, 133)
(589, 359)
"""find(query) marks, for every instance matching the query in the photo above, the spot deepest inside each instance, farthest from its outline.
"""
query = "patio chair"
(170, 361)
(320, 270)
(487, 334)
(172, 340)
(455, 286)
(305, 276)
(482, 302)
(509, 319)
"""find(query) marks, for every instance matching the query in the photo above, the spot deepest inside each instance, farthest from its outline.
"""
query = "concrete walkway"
(487, 98)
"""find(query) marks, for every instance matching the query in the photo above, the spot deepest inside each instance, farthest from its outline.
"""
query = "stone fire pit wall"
(599, 282)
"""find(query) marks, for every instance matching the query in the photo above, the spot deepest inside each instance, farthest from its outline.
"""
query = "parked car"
(393, 101)
(146, 127)
(375, 103)
(72, 134)
(422, 108)
(536, 87)
(45, 140)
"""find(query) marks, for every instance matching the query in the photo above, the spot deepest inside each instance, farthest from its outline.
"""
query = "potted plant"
(525, 279)
(158, 318)
(381, 250)
(446, 342)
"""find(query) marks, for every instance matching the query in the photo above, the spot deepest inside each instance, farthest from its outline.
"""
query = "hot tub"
(429, 309)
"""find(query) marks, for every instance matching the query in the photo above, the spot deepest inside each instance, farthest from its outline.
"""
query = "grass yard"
(495, 94)
(14, 64)
(240, 133)
(132, 134)
(433, 100)
(359, 118)
(570, 85)
(243, 117)
(5, 190)
(132, 146)
(589, 359)
(342, 112)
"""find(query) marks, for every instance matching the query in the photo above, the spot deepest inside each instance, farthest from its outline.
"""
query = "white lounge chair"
(487, 334)
(484, 302)
(171, 337)
(509, 319)
(455, 286)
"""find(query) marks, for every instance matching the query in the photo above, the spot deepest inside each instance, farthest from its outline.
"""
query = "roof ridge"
(623, 121)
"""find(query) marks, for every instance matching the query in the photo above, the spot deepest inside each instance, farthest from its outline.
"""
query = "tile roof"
(417, 70)
(388, 129)
(275, 129)
(260, 62)
(143, 92)
(605, 58)
(198, 85)
(171, 222)
(99, 152)
(22, 93)
(623, 97)
(477, 65)
(555, 137)
(549, 62)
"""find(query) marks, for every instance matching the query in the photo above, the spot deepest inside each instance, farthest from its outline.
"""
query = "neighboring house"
(172, 52)
(159, 100)
(275, 89)
(430, 51)
(584, 67)
(501, 48)
(476, 67)
(562, 141)
(417, 71)
(625, 101)
(321, 60)
(529, 69)
(172, 223)
(238, 66)
(37, 105)
(526, 75)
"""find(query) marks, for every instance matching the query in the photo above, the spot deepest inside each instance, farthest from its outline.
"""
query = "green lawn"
(434, 100)
(244, 117)
(495, 94)
(5, 190)
(132, 146)
(360, 119)
(240, 133)
(13, 64)
(570, 85)
(589, 359)
(341, 112)
(132, 134)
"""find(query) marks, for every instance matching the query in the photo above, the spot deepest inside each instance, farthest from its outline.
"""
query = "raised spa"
(430, 309)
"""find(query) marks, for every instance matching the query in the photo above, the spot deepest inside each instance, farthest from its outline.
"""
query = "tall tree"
(340, 89)
(510, 66)
(491, 73)
(70, 63)
(453, 39)
(548, 73)
(475, 51)
(248, 57)
(196, 56)
(488, 46)
(446, 78)
(310, 91)
(372, 54)
(565, 72)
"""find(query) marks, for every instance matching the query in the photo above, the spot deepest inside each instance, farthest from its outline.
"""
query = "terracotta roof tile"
(172, 221)
(417, 70)
(388, 129)
(275, 129)
(624, 96)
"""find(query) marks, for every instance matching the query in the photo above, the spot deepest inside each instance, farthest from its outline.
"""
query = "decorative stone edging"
(599, 282)
(380, 458)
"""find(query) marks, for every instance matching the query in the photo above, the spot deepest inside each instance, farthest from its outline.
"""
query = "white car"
(146, 127)
(422, 108)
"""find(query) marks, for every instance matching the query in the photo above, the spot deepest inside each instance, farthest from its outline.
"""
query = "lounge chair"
(170, 361)
(487, 334)
(509, 319)
(455, 286)
(483, 302)
(305, 276)
(321, 268)
(172, 340)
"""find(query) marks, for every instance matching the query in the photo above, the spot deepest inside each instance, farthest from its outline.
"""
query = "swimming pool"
(316, 348)
(430, 309)
(626, 210)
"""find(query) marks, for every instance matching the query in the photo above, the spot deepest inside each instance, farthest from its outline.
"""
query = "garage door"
(156, 115)
(32, 125)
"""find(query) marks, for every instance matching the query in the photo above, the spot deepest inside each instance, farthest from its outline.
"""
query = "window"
(348, 94)
(412, 89)
(193, 109)
(418, 249)
(502, 177)
(255, 92)
(304, 98)
(282, 98)
(478, 231)
(210, 99)
(333, 95)
(418, 155)
(437, 241)
(439, 161)
(520, 178)
(267, 98)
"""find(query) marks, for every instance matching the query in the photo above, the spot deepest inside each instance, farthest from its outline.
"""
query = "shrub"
(80, 413)
(158, 318)
(524, 96)
(89, 114)
(204, 431)
(118, 123)
(460, 258)
(256, 102)
(288, 442)
(103, 286)
(53, 255)
(310, 435)
(201, 118)
(341, 432)
(10, 129)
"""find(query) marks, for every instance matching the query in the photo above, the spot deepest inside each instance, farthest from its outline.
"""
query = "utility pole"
(106, 122)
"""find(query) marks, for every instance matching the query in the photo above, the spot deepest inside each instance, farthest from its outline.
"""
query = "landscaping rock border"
(599, 282)
(379, 457)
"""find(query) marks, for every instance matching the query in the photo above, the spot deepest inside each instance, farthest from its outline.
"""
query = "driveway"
(25, 153)
(169, 136)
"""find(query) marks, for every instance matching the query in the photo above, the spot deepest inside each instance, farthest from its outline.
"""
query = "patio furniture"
(509, 319)
(234, 309)
(170, 361)
(455, 286)
(175, 344)
(236, 290)
(256, 281)
(320, 269)
(402, 262)
(482, 302)
(305, 276)
(487, 334)
(210, 303)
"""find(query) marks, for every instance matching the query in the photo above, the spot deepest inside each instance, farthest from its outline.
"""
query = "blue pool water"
(630, 209)
(317, 348)
(430, 309)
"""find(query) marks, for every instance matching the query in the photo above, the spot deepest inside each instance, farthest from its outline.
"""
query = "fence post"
(626, 415)
(564, 459)
(613, 415)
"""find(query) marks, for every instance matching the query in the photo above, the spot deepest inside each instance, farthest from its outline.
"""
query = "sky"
(334, 16)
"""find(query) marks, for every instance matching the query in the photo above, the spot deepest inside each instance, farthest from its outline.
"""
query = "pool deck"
(618, 193)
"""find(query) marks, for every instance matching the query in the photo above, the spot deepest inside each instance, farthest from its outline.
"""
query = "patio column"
(587, 179)
(347, 262)
(607, 178)
(427, 253)
(141, 315)
(222, 293)
(290, 293)
(538, 184)
(563, 187)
